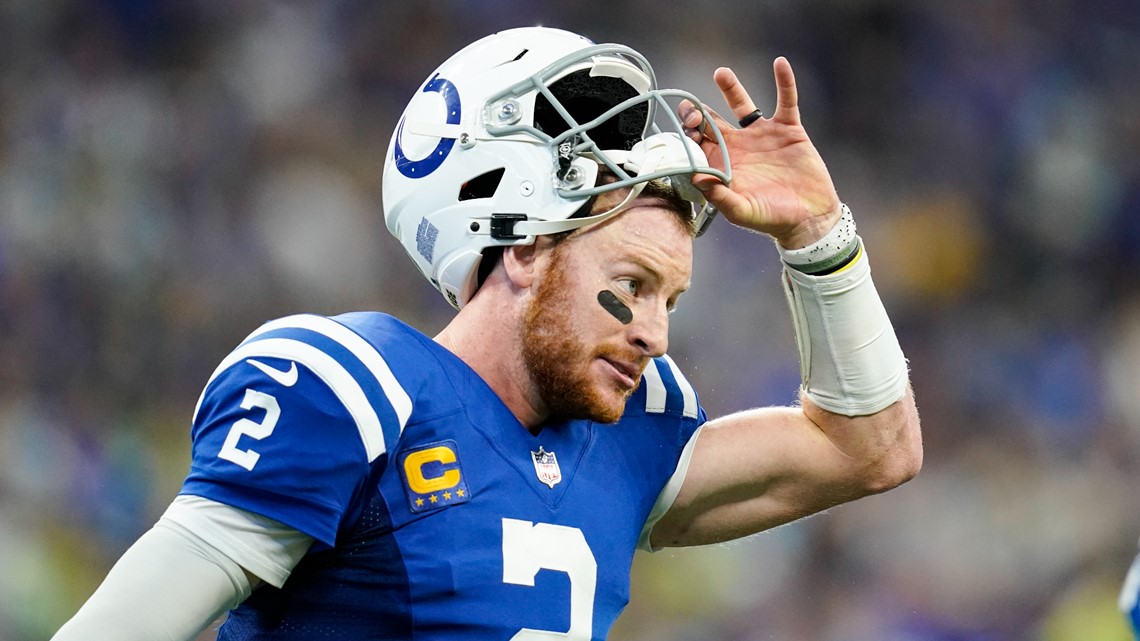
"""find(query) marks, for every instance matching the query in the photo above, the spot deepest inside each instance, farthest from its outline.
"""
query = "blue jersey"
(436, 514)
(1130, 598)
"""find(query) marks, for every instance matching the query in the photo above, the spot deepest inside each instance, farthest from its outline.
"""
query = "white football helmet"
(504, 140)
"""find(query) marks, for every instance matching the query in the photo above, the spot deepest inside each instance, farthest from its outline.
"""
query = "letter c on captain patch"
(433, 476)
(419, 465)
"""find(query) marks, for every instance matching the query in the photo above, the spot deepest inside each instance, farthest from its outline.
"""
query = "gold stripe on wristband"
(836, 263)
(854, 259)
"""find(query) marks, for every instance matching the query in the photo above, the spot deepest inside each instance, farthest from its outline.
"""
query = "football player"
(353, 478)
(1130, 598)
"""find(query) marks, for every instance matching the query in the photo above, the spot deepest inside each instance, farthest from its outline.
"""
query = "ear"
(520, 263)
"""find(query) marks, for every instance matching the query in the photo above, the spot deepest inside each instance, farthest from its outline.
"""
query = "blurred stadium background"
(174, 172)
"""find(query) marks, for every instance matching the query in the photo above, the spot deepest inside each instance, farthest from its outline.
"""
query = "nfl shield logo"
(546, 467)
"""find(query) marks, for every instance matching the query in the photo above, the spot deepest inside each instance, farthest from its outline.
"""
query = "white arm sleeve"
(850, 359)
(185, 572)
(266, 548)
(168, 586)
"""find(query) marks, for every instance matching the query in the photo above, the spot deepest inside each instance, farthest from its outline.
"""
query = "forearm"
(855, 379)
(850, 359)
(168, 586)
(880, 451)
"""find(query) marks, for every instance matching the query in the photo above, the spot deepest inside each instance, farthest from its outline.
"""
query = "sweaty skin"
(609, 302)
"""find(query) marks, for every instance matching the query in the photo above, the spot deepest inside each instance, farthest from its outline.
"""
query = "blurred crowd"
(175, 172)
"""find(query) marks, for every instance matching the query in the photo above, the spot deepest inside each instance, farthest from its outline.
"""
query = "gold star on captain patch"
(460, 493)
(433, 498)
(447, 495)
(419, 502)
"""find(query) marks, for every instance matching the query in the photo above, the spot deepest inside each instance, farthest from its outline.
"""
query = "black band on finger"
(750, 118)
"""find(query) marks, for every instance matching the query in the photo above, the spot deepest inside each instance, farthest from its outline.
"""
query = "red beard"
(554, 354)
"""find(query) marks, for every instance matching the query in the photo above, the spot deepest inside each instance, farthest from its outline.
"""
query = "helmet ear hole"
(482, 186)
(491, 258)
(586, 97)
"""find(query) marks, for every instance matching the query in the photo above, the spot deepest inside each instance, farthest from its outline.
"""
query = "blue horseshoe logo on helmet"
(424, 167)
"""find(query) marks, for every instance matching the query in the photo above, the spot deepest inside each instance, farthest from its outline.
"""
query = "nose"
(649, 330)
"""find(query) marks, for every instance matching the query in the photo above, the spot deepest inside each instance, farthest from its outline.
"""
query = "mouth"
(627, 374)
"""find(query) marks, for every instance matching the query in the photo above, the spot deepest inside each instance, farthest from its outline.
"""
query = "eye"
(629, 286)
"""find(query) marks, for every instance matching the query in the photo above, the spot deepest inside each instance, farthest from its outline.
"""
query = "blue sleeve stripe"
(655, 394)
(360, 348)
(660, 385)
(687, 391)
(325, 367)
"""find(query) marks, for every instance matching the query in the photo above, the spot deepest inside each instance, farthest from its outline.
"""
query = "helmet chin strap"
(543, 227)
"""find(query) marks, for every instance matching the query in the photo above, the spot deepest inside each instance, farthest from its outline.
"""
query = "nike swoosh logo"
(288, 377)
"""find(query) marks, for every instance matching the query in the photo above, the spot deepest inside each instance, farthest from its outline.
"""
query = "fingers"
(734, 93)
(719, 194)
(694, 122)
(787, 97)
(741, 104)
(691, 120)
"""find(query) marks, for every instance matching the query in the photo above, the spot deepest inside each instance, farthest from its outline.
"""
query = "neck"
(489, 344)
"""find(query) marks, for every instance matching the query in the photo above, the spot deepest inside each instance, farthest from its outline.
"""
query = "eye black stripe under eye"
(619, 310)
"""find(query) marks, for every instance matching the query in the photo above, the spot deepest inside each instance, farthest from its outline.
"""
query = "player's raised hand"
(780, 185)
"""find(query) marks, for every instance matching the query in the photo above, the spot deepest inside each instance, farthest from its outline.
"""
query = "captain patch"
(433, 477)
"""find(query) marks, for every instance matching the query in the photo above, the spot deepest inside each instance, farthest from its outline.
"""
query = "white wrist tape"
(850, 359)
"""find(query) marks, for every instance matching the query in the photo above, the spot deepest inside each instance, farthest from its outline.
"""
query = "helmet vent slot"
(515, 59)
(482, 186)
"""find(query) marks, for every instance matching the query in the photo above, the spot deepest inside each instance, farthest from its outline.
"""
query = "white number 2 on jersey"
(530, 547)
(254, 430)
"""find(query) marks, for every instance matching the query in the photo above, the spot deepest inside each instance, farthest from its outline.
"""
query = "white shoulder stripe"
(687, 391)
(359, 347)
(654, 389)
(339, 380)
(668, 493)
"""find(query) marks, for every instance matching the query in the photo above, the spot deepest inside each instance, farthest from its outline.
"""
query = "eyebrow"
(678, 293)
